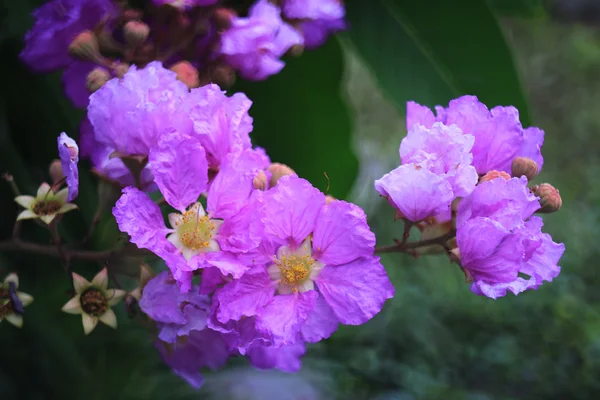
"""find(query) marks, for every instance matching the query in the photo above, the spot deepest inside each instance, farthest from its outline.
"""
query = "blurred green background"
(340, 110)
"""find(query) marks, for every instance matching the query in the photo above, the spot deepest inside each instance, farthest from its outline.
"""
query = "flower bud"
(131, 14)
(135, 33)
(455, 255)
(120, 69)
(56, 171)
(524, 166)
(278, 170)
(223, 75)
(329, 199)
(550, 199)
(96, 79)
(223, 17)
(186, 73)
(296, 50)
(85, 47)
(493, 175)
(260, 181)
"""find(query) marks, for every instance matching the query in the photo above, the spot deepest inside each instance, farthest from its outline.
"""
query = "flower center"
(93, 302)
(294, 269)
(6, 306)
(195, 232)
(46, 207)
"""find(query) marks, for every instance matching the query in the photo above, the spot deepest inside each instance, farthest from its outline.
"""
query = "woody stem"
(401, 247)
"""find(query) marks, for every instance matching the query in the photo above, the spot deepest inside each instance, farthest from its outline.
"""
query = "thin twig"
(83, 255)
(401, 248)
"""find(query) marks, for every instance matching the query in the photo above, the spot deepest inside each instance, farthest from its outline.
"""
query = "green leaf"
(302, 121)
(433, 54)
(518, 8)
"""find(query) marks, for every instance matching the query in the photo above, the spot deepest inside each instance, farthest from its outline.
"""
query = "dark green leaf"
(433, 54)
(517, 8)
(302, 121)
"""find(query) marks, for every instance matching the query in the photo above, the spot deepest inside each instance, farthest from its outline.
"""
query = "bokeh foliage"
(435, 339)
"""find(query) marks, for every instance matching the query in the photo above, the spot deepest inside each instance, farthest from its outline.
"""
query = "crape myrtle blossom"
(436, 168)
(195, 240)
(111, 168)
(184, 4)
(499, 241)
(130, 114)
(68, 152)
(314, 269)
(499, 135)
(56, 24)
(253, 45)
(318, 19)
(46, 205)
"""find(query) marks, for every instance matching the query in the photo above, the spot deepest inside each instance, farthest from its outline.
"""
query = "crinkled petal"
(321, 322)
(69, 157)
(180, 169)
(498, 289)
(140, 217)
(416, 193)
(507, 202)
(533, 140)
(341, 234)
(160, 300)
(284, 358)
(291, 210)
(355, 291)
(489, 251)
(417, 114)
(227, 263)
(245, 296)
(283, 317)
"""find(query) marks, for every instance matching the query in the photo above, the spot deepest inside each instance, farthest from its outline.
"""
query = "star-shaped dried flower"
(46, 205)
(93, 301)
(12, 302)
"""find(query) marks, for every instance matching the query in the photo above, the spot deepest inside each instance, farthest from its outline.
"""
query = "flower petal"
(89, 323)
(26, 214)
(245, 297)
(12, 278)
(355, 291)
(284, 358)
(180, 169)
(160, 300)
(15, 319)
(291, 210)
(43, 191)
(227, 263)
(416, 192)
(26, 299)
(341, 234)
(65, 208)
(25, 201)
(69, 157)
(80, 284)
(140, 217)
(48, 218)
(321, 322)
(109, 318)
(282, 318)
(73, 306)
(114, 296)
(100, 281)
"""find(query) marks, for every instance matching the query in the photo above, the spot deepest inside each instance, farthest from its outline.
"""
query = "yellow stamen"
(294, 269)
(195, 232)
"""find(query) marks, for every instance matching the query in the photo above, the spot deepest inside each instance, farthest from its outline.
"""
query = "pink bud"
(97, 78)
(524, 166)
(186, 73)
(493, 175)
(260, 181)
(278, 170)
(85, 47)
(550, 199)
(136, 33)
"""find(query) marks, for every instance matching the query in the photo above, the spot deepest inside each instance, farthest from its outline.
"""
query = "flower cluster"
(202, 41)
(455, 179)
(278, 264)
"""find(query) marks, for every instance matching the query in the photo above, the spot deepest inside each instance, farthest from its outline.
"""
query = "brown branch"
(402, 247)
(83, 255)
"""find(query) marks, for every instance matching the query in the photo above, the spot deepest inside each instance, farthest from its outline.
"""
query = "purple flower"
(253, 45)
(316, 268)
(111, 168)
(499, 135)
(499, 242)
(177, 314)
(57, 23)
(443, 150)
(220, 123)
(194, 240)
(68, 152)
(319, 18)
(416, 192)
(74, 80)
(200, 349)
(184, 4)
(129, 115)
(284, 358)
